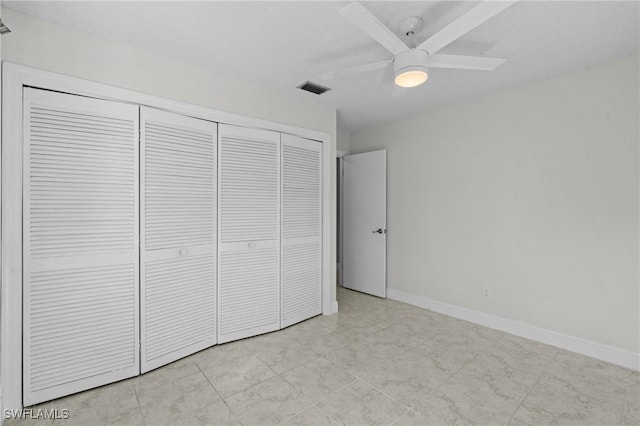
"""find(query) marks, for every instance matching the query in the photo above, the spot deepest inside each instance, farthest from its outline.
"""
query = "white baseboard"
(611, 354)
(333, 308)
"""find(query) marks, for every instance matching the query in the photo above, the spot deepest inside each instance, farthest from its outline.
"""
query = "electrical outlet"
(485, 292)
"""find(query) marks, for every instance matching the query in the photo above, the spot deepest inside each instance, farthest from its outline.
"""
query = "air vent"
(313, 88)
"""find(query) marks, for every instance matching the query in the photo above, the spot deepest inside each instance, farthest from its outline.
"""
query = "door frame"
(340, 207)
(14, 78)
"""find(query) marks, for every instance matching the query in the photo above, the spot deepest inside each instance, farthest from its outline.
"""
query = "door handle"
(380, 231)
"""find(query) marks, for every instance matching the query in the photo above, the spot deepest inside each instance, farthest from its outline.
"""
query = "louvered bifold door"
(249, 232)
(178, 236)
(80, 248)
(301, 229)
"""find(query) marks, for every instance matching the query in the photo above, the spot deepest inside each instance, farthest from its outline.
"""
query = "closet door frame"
(14, 78)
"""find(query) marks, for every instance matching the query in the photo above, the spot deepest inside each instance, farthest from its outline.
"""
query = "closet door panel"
(180, 301)
(301, 229)
(249, 229)
(249, 185)
(178, 236)
(80, 248)
(249, 292)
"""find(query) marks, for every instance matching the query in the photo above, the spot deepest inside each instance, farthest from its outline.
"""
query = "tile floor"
(377, 362)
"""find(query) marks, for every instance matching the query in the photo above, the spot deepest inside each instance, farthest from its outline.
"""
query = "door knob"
(380, 231)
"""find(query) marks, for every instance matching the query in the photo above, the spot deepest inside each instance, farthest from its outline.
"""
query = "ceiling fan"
(410, 64)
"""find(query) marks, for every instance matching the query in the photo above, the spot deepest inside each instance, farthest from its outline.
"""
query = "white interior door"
(249, 232)
(80, 244)
(178, 247)
(365, 222)
(301, 229)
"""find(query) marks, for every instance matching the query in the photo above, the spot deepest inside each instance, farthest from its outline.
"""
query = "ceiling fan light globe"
(411, 78)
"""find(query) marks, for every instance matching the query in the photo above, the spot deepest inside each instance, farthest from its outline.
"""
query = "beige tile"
(111, 404)
(233, 376)
(469, 399)
(268, 403)
(416, 367)
(489, 335)
(394, 337)
(418, 322)
(366, 319)
(521, 355)
(176, 400)
(256, 342)
(165, 374)
(317, 378)
(322, 344)
(525, 369)
(576, 390)
(573, 362)
(574, 380)
(380, 351)
(313, 416)
(355, 404)
(355, 358)
(450, 355)
(131, 417)
(318, 325)
(223, 353)
(552, 406)
(631, 415)
(390, 313)
(588, 375)
(116, 395)
(359, 329)
(391, 335)
(284, 353)
(409, 378)
(411, 418)
(520, 345)
(217, 414)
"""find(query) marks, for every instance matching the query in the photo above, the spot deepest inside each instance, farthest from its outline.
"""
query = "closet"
(149, 235)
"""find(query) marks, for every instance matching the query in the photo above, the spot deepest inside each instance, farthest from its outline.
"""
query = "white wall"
(532, 192)
(342, 141)
(50, 47)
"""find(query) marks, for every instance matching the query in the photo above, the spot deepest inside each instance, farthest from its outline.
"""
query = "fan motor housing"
(411, 60)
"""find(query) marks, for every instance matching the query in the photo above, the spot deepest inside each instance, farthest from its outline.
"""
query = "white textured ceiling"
(282, 44)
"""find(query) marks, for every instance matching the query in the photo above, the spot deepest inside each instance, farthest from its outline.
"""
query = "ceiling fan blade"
(356, 70)
(473, 18)
(370, 25)
(465, 62)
